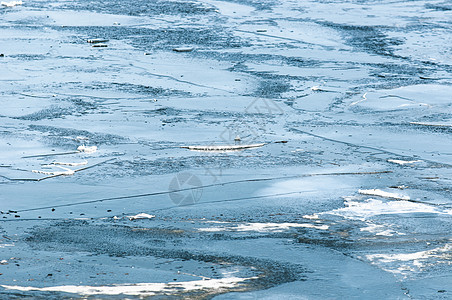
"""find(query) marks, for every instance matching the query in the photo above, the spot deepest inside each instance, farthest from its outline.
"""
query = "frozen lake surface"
(343, 190)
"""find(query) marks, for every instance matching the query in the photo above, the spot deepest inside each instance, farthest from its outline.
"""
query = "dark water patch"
(386, 70)
(271, 85)
(57, 135)
(77, 106)
(370, 39)
(214, 37)
(164, 111)
(210, 162)
(447, 129)
(29, 56)
(101, 239)
(272, 88)
(257, 4)
(141, 7)
(240, 59)
(445, 6)
(268, 22)
(137, 89)
(52, 112)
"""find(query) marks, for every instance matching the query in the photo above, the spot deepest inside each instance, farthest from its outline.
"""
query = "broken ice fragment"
(66, 172)
(87, 149)
(11, 3)
(223, 147)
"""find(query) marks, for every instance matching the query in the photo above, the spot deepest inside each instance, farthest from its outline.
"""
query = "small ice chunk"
(87, 149)
(95, 41)
(183, 49)
(141, 216)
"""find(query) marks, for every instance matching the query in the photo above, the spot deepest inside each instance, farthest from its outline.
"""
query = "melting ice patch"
(139, 289)
(362, 210)
(377, 192)
(380, 230)
(403, 263)
(264, 227)
(11, 3)
(407, 97)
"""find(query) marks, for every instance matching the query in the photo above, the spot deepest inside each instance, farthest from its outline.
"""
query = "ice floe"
(66, 172)
(362, 210)
(403, 263)
(138, 289)
(264, 227)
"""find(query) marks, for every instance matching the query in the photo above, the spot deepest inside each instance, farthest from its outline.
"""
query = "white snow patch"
(264, 227)
(358, 210)
(140, 216)
(377, 192)
(380, 230)
(311, 217)
(403, 162)
(11, 3)
(402, 262)
(138, 289)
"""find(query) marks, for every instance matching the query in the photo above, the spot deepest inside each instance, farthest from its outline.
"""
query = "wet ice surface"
(99, 200)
